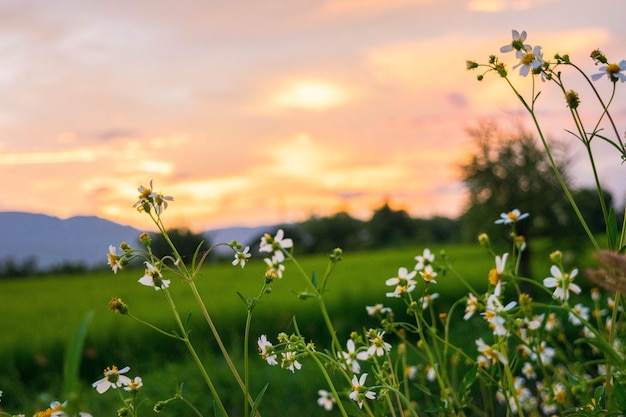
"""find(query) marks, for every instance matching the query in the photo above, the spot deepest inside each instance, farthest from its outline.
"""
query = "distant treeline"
(386, 228)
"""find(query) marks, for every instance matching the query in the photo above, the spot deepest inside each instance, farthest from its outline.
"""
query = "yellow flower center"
(512, 216)
(494, 277)
(111, 374)
(527, 59)
(613, 69)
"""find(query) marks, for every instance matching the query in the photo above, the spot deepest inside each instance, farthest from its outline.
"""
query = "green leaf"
(314, 279)
(467, 381)
(618, 400)
(71, 366)
(258, 399)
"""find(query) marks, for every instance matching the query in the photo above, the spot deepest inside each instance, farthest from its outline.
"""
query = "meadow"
(41, 314)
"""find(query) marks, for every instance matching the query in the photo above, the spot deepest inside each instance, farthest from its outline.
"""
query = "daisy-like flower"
(615, 72)
(471, 307)
(56, 410)
(153, 278)
(326, 399)
(135, 385)
(275, 244)
(403, 282)
(359, 391)
(266, 350)
(241, 257)
(352, 357)
(378, 346)
(517, 44)
(149, 200)
(490, 353)
(494, 312)
(426, 258)
(429, 274)
(496, 274)
(562, 282)
(160, 201)
(529, 371)
(115, 260)
(289, 361)
(512, 216)
(113, 378)
(275, 268)
(377, 309)
(529, 60)
(427, 299)
(431, 373)
(581, 311)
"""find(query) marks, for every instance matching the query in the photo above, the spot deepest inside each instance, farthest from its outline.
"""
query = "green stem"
(218, 339)
(555, 167)
(331, 385)
(246, 364)
(192, 351)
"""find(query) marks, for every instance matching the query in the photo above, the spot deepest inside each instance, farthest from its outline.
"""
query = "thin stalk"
(555, 168)
(218, 339)
(194, 354)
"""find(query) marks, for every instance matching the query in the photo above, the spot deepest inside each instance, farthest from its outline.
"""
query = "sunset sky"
(263, 112)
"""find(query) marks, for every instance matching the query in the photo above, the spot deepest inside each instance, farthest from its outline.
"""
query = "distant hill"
(52, 241)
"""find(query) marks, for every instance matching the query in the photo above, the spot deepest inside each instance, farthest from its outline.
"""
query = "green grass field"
(40, 315)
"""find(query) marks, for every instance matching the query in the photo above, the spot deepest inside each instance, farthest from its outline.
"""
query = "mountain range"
(52, 241)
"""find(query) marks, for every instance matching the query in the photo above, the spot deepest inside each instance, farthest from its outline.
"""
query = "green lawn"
(40, 315)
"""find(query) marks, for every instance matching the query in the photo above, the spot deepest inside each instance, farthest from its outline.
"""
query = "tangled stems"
(190, 279)
(531, 110)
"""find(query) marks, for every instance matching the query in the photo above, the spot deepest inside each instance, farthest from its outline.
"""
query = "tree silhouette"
(510, 169)
(185, 241)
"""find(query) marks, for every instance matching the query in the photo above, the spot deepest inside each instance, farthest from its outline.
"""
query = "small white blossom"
(581, 311)
(562, 283)
(427, 299)
(241, 257)
(266, 350)
(359, 391)
(493, 355)
(352, 357)
(614, 72)
(512, 216)
(113, 378)
(326, 399)
(530, 60)
(403, 282)
(377, 309)
(517, 42)
(426, 258)
(289, 361)
(471, 307)
(115, 261)
(428, 274)
(378, 346)
(275, 244)
(153, 278)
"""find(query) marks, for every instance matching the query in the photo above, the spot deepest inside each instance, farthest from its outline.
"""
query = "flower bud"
(336, 256)
(470, 65)
(117, 305)
(572, 99)
(556, 257)
(145, 239)
(598, 56)
(483, 239)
